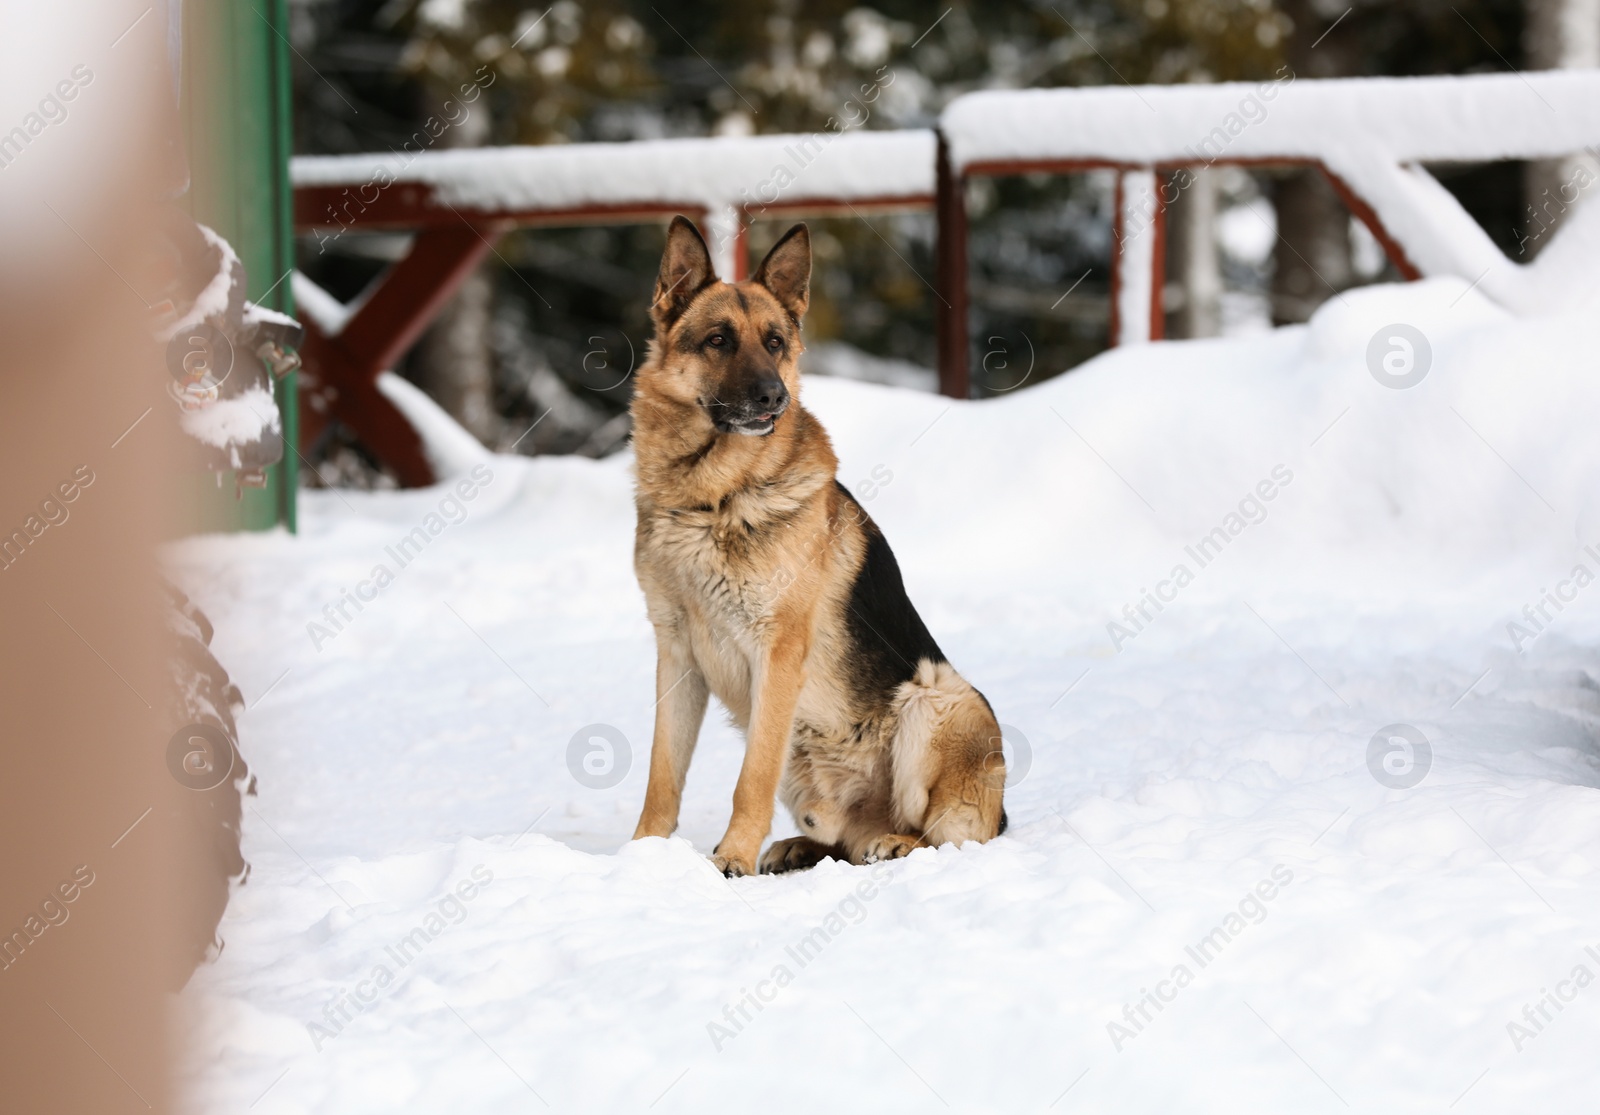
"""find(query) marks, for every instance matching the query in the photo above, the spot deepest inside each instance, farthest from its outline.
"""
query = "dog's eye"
(774, 343)
(717, 340)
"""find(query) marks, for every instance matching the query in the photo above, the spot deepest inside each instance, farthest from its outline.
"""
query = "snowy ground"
(1168, 777)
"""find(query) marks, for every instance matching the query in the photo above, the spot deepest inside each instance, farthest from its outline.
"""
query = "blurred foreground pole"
(87, 901)
(950, 264)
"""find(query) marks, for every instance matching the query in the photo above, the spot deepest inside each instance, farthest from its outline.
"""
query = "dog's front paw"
(732, 864)
(890, 846)
(794, 854)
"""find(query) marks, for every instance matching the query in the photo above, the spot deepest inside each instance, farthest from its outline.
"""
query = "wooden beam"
(950, 317)
(1002, 168)
(741, 247)
(840, 207)
(1369, 217)
(340, 377)
(330, 211)
(413, 291)
(1158, 261)
(327, 212)
(333, 388)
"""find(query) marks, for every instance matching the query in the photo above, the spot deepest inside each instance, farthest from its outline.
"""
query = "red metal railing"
(1368, 136)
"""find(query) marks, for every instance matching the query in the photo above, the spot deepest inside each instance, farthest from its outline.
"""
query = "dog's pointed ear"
(786, 271)
(685, 271)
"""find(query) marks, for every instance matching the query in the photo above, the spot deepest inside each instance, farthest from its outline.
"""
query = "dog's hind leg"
(948, 768)
(965, 801)
(889, 846)
(681, 696)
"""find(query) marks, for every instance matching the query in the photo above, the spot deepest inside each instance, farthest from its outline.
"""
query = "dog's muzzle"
(757, 414)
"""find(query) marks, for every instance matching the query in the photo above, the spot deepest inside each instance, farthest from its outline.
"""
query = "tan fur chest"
(720, 583)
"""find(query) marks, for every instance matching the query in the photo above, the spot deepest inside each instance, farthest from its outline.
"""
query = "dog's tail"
(948, 771)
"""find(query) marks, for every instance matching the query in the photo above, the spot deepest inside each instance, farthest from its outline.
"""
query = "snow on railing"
(728, 181)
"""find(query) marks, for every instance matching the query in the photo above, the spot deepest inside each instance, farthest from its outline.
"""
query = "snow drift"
(1225, 887)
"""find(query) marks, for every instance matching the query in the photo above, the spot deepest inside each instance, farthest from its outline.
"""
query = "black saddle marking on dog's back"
(889, 637)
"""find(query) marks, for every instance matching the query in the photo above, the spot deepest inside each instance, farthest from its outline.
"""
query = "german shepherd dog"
(768, 585)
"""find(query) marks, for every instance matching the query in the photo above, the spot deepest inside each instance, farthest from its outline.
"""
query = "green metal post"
(236, 109)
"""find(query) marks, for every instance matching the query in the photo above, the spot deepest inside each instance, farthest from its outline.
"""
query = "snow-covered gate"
(1370, 136)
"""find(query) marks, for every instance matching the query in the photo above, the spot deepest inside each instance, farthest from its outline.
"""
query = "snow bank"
(450, 449)
(329, 314)
(1207, 781)
(836, 358)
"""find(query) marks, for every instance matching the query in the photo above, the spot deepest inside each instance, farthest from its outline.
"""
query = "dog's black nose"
(768, 394)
